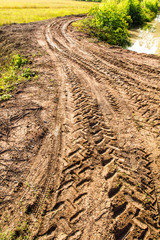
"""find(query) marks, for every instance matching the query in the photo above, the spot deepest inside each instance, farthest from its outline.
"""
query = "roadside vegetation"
(24, 11)
(12, 74)
(111, 20)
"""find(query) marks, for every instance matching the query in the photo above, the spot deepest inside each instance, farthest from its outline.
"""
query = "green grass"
(14, 72)
(24, 11)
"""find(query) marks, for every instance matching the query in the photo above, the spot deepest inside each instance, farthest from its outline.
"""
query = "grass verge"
(13, 73)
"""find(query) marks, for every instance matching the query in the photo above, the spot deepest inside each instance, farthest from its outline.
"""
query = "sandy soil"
(80, 146)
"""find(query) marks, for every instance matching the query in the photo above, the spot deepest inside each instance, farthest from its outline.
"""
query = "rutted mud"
(92, 171)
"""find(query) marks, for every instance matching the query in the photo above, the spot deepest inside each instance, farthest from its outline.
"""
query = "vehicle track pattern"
(79, 146)
(104, 189)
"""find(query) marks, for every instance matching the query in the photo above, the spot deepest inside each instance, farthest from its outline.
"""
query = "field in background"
(24, 11)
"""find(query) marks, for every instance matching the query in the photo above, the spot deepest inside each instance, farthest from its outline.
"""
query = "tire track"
(125, 81)
(104, 191)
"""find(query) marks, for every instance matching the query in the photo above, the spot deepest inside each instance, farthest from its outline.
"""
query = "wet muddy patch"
(147, 40)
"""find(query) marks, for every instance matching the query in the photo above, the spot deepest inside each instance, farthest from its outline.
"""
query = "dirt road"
(80, 148)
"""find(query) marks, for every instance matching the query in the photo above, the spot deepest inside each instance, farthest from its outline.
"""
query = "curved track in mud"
(101, 174)
(106, 187)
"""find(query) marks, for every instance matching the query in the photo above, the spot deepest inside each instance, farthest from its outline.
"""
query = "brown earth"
(80, 146)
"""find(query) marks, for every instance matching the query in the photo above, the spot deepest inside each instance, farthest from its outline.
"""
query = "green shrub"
(134, 9)
(108, 24)
(150, 9)
(152, 5)
(136, 12)
(110, 20)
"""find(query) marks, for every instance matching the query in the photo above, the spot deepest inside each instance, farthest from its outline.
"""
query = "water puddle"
(147, 41)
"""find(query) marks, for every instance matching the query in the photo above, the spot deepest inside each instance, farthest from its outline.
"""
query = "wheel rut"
(105, 186)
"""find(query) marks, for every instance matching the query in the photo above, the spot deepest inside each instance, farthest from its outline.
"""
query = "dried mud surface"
(80, 146)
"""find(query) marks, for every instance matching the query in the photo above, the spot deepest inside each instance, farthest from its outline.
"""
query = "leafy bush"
(135, 11)
(150, 9)
(152, 5)
(111, 19)
(108, 24)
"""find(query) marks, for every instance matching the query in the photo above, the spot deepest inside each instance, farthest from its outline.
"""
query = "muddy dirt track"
(80, 146)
